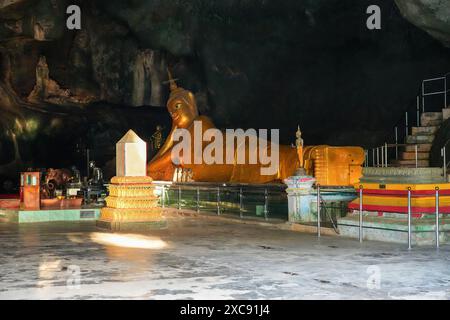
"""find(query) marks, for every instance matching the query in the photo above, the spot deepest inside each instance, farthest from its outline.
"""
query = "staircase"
(422, 137)
(415, 152)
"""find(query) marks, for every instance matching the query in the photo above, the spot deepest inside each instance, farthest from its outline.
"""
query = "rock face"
(433, 16)
(260, 64)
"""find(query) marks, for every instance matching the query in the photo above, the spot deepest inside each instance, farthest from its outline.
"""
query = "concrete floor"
(208, 258)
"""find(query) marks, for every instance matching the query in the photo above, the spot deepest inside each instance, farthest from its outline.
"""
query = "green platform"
(20, 216)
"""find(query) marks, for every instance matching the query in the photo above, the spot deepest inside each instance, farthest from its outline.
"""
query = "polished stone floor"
(199, 258)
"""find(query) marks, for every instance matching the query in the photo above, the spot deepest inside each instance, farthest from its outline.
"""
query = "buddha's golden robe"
(163, 168)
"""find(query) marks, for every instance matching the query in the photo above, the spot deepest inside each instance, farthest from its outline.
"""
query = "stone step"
(431, 116)
(415, 131)
(423, 147)
(420, 139)
(412, 155)
(428, 123)
(411, 163)
(445, 113)
(401, 175)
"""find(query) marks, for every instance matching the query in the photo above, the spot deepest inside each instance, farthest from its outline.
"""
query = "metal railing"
(443, 92)
(219, 193)
(318, 211)
(267, 201)
(409, 217)
(321, 204)
(444, 159)
(380, 155)
(421, 106)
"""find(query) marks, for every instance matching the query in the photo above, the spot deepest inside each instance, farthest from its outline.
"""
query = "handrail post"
(444, 159)
(409, 218)
(318, 210)
(437, 217)
(241, 203)
(179, 197)
(266, 204)
(163, 196)
(406, 127)
(396, 143)
(378, 157)
(373, 157)
(386, 154)
(360, 213)
(198, 200)
(218, 200)
(445, 91)
(366, 158)
(417, 164)
(445, 163)
(418, 111)
(423, 96)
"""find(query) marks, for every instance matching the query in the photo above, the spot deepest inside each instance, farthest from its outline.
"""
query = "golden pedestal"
(131, 205)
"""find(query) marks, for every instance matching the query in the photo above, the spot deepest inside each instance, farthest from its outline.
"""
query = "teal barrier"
(243, 200)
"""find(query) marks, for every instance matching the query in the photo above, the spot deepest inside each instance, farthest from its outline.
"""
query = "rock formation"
(433, 16)
(48, 90)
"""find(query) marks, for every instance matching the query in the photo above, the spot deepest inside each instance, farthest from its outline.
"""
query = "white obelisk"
(131, 156)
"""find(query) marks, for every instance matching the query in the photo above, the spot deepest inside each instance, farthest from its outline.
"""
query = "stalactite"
(139, 80)
(39, 33)
(155, 66)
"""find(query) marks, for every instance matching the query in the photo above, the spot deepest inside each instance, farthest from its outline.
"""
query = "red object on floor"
(9, 203)
(64, 203)
(9, 196)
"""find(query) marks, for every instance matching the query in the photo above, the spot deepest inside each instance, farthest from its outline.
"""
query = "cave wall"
(433, 16)
(260, 64)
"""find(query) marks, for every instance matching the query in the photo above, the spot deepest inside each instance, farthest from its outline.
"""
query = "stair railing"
(419, 109)
(408, 122)
(421, 100)
(380, 154)
(444, 159)
(443, 92)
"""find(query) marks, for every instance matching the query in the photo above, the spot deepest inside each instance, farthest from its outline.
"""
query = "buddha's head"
(181, 105)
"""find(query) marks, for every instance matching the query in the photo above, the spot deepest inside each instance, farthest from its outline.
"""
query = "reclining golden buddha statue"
(262, 161)
(183, 110)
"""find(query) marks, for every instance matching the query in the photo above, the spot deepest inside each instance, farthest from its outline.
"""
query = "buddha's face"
(182, 110)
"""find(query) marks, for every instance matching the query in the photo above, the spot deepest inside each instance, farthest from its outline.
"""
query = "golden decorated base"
(131, 180)
(131, 214)
(131, 203)
(138, 226)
